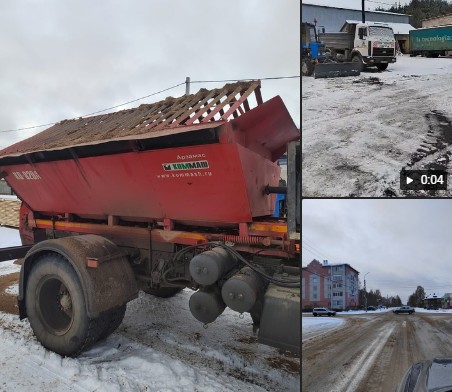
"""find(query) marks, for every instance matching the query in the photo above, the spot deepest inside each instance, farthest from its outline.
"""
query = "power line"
(312, 248)
(98, 111)
(379, 2)
(150, 95)
(307, 240)
(245, 80)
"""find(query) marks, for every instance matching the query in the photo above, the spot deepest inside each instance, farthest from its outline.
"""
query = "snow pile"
(158, 347)
(309, 324)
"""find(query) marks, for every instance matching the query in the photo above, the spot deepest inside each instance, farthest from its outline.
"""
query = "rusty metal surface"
(205, 109)
(14, 252)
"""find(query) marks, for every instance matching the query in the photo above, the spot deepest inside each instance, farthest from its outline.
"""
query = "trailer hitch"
(275, 189)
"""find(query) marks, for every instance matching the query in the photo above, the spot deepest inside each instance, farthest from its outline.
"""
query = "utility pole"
(363, 12)
(187, 85)
(331, 287)
(365, 291)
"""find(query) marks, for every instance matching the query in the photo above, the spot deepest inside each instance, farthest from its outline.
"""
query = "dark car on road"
(323, 312)
(371, 308)
(404, 309)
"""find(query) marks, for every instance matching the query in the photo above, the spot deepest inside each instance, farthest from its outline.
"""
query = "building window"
(314, 296)
(314, 288)
(338, 277)
(314, 279)
(338, 294)
(337, 285)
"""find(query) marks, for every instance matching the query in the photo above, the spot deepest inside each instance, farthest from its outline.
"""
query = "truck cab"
(368, 44)
(374, 43)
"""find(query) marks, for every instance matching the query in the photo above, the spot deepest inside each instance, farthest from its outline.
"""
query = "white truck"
(368, 44)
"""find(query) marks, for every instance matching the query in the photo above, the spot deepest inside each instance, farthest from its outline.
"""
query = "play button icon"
(423, 180)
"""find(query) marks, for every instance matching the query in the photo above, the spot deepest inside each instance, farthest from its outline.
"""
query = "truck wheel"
(307, 67)
(357, 59)
(56, 307)
(382, 66)
(112, 320)
(164, 292)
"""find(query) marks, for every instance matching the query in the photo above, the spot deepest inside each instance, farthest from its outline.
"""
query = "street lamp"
(365, 292)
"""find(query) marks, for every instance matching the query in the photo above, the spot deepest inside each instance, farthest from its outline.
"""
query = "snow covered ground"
(158, 347)
(359, 132)
(315, 326)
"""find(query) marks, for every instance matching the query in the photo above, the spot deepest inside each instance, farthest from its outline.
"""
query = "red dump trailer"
(174, 194)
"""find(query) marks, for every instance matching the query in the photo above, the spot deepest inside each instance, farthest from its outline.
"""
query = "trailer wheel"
(164, 292)
(56, 307)
(357, 59)
(382, 66)
(307, 67)
(112, 320)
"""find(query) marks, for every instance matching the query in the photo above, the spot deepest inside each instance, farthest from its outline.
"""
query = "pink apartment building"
(335, 286)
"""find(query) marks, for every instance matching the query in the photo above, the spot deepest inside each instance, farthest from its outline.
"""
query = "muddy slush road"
(370, 353)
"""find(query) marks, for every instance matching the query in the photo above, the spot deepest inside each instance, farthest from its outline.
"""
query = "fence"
(9, 212)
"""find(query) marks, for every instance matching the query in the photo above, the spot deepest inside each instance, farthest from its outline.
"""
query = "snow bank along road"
(359, 132)
(373, 351)
(312, 327)
(158, 347)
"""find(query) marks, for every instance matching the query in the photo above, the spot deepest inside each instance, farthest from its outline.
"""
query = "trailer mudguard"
(280, 321)
(105, 274)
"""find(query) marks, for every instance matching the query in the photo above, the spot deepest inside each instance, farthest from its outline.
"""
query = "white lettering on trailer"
(194, 156)
(27, 175)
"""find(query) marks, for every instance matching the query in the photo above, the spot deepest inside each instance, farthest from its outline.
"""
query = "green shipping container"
(431, 39)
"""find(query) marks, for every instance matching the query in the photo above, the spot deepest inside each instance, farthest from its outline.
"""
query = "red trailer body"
(218, 183)
(152, 186)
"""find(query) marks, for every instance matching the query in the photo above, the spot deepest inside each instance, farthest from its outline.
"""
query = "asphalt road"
(371, 352)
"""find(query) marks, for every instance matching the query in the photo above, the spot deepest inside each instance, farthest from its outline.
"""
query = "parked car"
(371, 308)
(431, 307)
(323, 312)
(428, 375)
(404, 309)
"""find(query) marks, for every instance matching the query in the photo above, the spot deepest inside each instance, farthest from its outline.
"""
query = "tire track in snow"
(362, 363)
(44, 376)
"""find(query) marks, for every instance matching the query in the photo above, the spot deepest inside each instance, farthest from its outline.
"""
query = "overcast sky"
(64, 59)
(356, 4)
(401, 243)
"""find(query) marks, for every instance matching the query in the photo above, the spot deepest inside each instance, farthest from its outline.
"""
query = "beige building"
(444, 20)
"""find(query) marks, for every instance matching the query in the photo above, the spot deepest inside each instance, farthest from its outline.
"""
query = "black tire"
(382, 66)
(315, 314)
(164, 292)
(307, 67)
(112, 320)
(357, 59)
(56, 307)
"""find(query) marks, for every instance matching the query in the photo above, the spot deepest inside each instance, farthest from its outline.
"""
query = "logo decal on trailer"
(27, 175)
(185, 165)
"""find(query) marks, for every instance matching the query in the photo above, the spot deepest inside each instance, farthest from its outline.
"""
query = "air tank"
(209, 266)
(242, 290)
(206, 305)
